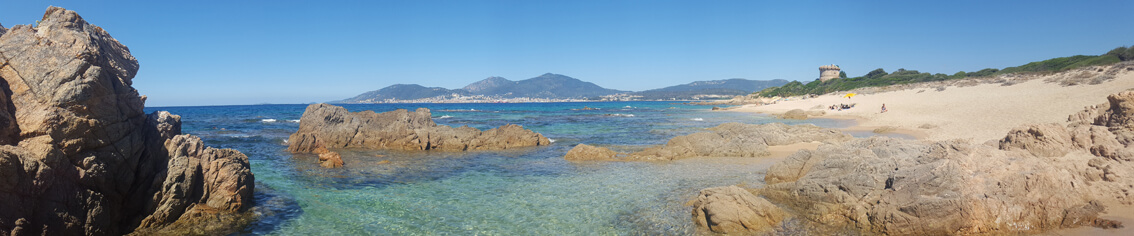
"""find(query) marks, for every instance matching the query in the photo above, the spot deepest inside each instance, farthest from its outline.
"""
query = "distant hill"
(545, 86)
(711, 87)
(556, 86)
(551, 86)
(402, 92)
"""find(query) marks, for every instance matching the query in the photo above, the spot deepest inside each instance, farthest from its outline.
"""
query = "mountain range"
(711, 87)
(555, 86)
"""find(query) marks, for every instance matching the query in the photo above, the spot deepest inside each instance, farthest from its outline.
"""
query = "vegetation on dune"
(879, 77)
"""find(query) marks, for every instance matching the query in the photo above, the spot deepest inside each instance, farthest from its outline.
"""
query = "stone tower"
(828, 72)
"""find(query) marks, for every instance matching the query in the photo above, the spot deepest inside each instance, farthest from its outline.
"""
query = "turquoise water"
(529, 191)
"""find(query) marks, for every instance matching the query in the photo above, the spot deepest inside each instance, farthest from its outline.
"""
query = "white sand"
(980, 113)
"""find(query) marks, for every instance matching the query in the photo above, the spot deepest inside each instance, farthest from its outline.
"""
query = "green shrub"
(879, 77)
(1122, 53)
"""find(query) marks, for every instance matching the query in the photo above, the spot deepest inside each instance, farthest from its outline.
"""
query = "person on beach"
(883, 108)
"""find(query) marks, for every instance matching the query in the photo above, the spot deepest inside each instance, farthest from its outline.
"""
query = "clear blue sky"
(249, 52)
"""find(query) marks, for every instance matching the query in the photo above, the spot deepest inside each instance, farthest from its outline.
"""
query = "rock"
(79, 156)
(224, 174)
(583, 152)
(1047, 140)
(904, 187)
(732, 209)
(329, 126)
(716, 108)
(729, 140)
(797, 114)
(330, 160)
(885, 129)
(738, 140)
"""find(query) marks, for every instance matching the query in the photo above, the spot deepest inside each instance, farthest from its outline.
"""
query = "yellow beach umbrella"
(850, 95)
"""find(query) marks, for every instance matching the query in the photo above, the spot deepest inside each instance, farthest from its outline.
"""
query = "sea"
(526, 191)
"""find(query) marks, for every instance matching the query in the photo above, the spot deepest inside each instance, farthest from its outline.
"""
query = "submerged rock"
(77, 154)
(330, 126)
(725, 140)
(583, 152)
(330, 160)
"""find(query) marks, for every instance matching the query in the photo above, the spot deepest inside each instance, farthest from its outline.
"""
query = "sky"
(290, 52)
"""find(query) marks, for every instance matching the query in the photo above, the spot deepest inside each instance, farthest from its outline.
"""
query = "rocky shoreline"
(725, 140)
(1037, 178)
(79, 157)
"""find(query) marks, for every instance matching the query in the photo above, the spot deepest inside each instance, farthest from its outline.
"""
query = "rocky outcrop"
(330, 126)
(732, 209)
(1039, 177)
(725, 140)
(903, 187)
(79, 156)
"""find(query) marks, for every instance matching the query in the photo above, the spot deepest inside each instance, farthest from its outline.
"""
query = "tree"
(842, 74)
(876, 73)
(1123, 53)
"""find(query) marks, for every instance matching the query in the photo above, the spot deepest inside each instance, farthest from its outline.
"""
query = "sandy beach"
(981, 113)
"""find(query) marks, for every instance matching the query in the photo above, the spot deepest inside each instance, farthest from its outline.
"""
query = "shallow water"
(525, 191)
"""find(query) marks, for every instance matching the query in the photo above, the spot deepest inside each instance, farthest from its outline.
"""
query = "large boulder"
(1046, 140)
(731, 209)
(329, 126)
(77, 153)
(905, 187)
(732, 140)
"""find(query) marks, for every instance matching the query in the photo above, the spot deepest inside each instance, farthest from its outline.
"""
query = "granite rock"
(331, 127)
(730, 140)
(583, 152)
(77, 152)
(731, 209)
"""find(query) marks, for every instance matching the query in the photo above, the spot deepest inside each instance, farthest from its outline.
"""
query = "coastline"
(979, 113)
